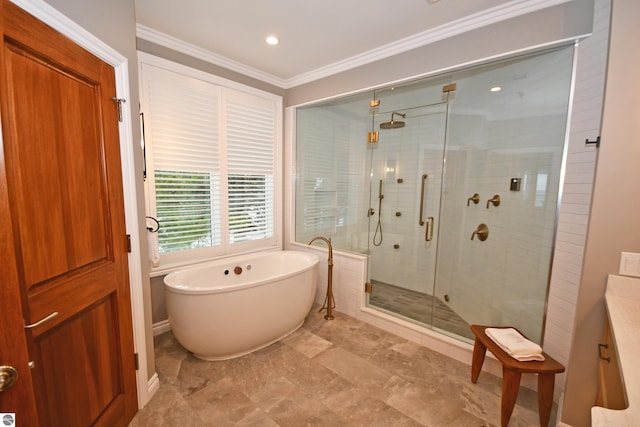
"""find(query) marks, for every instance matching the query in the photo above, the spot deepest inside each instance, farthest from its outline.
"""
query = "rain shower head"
(393, 124)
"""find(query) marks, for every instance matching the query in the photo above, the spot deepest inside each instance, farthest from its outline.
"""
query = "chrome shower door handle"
(428, 236)
(420, 221)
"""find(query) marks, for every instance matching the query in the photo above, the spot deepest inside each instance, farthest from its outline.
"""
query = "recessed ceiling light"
(496, 89)
(272, 40)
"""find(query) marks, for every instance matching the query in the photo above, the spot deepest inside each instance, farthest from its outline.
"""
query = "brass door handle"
(429, 232)
(495, 200)
(482, 232)
(8, 377)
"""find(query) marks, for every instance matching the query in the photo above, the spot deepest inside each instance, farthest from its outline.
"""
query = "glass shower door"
(505, 148)
(406, 181)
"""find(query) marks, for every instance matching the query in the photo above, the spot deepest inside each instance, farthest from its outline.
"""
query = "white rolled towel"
(515, 345)
(154, 249)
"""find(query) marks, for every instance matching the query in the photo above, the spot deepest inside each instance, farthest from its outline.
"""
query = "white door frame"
(52, 17)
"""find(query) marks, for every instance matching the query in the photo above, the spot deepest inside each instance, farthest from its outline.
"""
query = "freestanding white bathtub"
(227, 308)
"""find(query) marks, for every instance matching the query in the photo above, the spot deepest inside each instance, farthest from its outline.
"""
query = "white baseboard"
(154, 385)
(161, 327)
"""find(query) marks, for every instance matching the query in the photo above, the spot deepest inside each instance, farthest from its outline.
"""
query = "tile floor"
(420, 307)
(341, 372)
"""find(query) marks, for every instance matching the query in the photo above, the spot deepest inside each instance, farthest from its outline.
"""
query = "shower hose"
(377, 236)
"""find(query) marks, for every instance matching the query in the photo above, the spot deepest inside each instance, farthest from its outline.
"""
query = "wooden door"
(62, 233)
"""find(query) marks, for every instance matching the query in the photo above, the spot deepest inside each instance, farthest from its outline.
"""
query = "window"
(213, 156)
(183, 204)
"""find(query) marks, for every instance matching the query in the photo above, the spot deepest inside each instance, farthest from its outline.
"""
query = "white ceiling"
(328, 35)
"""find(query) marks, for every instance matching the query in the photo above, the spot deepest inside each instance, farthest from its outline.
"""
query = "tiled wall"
(502, 281)
(578, 185)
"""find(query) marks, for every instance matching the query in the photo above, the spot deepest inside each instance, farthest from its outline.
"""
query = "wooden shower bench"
(512, 370)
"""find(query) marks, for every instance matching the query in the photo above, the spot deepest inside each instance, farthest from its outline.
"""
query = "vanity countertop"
(622, 299)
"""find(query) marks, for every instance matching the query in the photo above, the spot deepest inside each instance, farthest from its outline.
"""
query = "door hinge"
(372, 137)
(119, 102)
(449, 88)
(137, 360)
(368, 288)
(129, 243)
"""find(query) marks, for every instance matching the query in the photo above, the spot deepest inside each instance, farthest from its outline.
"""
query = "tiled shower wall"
(501, 281)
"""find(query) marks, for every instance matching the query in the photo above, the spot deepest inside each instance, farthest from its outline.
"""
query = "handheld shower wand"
(378, 232)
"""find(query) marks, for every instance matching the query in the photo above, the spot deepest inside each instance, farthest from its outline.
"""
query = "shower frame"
(355, 236)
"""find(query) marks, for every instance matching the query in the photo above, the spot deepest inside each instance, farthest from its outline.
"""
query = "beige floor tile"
(341, 372)
(307, 343)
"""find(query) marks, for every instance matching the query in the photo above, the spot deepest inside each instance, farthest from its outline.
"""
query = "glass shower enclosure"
(449, 184)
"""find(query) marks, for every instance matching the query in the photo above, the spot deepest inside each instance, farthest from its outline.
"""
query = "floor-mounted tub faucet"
(329, 302)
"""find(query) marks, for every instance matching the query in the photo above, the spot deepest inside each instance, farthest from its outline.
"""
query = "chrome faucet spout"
(329, 301)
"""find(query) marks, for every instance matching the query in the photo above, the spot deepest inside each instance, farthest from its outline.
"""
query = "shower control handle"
(482, 232)
(495, 200)
(475, 199)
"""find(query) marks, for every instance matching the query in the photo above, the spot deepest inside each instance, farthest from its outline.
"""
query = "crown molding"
(478, 20)
(487, 17)
(178, 45)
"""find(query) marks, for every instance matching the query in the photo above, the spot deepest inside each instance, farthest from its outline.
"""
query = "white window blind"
(251, 170)
(182, 128)
(212, 163)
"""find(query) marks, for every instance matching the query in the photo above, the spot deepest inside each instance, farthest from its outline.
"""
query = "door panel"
(91, 365)
(65, 220)
(407, 165)
(62, 204)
